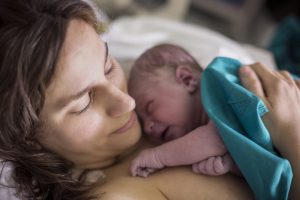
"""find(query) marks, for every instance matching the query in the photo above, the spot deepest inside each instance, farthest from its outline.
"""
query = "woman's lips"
(128, 125)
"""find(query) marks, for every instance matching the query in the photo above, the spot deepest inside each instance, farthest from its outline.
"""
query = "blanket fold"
(237, 114)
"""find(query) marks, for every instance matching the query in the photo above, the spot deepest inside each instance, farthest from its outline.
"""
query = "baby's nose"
(149, 127)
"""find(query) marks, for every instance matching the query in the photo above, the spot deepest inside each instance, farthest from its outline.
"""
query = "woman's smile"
(128, 124)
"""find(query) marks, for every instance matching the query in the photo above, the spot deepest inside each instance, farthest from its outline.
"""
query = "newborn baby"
(165, 82)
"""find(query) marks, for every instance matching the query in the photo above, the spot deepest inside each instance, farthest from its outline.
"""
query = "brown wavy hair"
(32, 33)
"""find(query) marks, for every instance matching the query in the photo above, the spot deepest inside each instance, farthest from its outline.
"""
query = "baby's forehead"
(140, 93)
(141, 80)
(140, 84)
(138, 75)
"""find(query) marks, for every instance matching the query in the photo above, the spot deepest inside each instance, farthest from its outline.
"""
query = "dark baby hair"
(162, 56)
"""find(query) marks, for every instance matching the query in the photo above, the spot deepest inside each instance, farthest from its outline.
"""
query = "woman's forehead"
(80, 63)
(80, 45)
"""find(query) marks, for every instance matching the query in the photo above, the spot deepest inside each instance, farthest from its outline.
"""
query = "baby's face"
(166, 109)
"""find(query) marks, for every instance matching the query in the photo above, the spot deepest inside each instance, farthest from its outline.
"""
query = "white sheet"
(128, 37)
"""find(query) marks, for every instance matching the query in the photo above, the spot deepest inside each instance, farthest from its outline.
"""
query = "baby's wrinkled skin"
(172, 115)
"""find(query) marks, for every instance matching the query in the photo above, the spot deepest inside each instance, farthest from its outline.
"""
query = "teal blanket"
(237, 115)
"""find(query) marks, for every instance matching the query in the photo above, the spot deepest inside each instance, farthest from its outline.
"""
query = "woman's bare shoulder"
(129, 188)
(181, 183)
(170, 183)
(121, 185)
(176, 184)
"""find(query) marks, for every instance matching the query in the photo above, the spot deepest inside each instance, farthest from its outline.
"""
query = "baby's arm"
(198, 145)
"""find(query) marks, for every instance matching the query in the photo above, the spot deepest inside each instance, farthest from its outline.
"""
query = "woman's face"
(88, 117)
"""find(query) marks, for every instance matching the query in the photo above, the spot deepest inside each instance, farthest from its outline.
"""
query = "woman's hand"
(281, 95)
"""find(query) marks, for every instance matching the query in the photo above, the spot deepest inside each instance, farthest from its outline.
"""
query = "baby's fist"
(146, 163)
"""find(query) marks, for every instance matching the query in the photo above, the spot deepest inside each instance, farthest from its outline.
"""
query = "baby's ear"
(186, 76)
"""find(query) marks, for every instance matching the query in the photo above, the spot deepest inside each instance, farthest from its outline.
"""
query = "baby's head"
(164, 81)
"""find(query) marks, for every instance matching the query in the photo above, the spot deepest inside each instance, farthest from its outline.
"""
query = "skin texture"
(153, 92)
(92, 133)
(281, 94)
(171, 183)
(170, 107)
(202, 148)
(91, 122)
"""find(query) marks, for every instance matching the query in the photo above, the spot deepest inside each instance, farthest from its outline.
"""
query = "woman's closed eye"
(84, 104)
(109, 66)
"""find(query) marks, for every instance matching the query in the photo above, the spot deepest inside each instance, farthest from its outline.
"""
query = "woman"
(64, 106)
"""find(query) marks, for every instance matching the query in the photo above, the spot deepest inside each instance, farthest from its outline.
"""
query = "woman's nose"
(118, 102)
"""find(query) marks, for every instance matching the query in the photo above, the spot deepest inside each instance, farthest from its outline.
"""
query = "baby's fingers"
(135, 167)
(143, 172)
(199, 168)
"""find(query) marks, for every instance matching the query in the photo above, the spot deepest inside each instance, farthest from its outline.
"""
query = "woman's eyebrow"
(65, 100)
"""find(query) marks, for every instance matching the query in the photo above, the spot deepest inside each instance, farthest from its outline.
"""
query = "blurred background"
(247, 21)
(269, 30)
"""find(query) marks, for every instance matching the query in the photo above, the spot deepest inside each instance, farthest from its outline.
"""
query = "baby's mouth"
(163, 136)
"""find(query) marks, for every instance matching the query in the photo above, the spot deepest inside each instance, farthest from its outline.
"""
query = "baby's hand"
(146, 163)
(214, 166)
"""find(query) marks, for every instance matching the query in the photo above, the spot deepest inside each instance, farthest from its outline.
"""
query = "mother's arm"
(282, 97)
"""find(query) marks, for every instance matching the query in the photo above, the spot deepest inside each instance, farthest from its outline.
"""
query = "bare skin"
(209, 161)
(98, 129)
(178, 122)
(171, 183)
(281, 95)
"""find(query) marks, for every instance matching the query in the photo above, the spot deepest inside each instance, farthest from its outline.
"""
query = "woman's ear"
(186, 76)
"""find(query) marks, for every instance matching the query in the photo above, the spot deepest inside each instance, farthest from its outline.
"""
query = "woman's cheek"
(90, 128)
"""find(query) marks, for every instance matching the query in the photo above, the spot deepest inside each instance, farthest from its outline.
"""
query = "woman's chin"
(130, 139)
